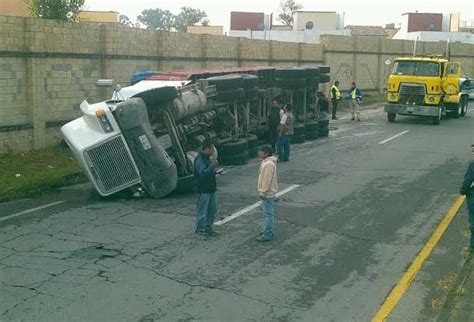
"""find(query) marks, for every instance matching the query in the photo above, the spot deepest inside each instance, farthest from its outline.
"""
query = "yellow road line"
(397, 292)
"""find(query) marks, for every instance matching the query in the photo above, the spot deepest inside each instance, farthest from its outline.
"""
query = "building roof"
(391, 32)
(315, 11)
(367, 30)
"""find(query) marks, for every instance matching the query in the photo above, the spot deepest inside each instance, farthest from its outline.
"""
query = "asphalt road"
(358, 214)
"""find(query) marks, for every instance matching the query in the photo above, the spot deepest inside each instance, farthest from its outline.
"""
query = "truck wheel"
(252, 141)
(324, 79)
(458, 110)
(323, 123)
(291, 72)
(311, 127)
(297, 139)
(465, 104)
(437, 119)
(234, 147)
(324, 69)
(298, 129)
(226, 82)
(391, 117)
(324, 132)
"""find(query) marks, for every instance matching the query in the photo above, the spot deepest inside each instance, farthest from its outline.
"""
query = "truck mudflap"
(412, 109)
(157, 170)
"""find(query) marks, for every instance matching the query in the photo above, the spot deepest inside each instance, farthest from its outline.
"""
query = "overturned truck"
(149, 133)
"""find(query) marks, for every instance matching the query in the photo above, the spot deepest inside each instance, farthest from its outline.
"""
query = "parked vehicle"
(149, 133)
(426, 86)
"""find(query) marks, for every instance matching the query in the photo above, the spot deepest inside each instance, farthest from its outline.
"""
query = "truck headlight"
(104, 121)
(393, 97)
(431, 99)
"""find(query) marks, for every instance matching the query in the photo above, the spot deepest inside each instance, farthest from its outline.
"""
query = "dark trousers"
(274, 139)
(334, 108)
(470, 207)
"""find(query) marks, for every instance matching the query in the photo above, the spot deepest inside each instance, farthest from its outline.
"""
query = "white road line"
(252, 207)
(29, 211)
(394, 137)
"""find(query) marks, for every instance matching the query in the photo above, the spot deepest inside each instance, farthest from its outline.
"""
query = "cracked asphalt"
(343, 238)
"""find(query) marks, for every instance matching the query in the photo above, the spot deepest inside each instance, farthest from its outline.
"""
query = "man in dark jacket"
(467, 189)
(273, 123)
(205, 174)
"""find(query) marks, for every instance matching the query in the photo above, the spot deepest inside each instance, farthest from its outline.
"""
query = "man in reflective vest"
(354, 96)
(335, 97)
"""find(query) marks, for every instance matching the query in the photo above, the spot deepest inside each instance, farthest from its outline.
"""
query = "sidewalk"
(459, 306)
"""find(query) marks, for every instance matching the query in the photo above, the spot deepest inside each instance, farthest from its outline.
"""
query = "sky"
(360, 12)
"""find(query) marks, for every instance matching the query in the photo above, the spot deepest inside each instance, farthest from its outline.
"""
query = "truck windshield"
(415, 68)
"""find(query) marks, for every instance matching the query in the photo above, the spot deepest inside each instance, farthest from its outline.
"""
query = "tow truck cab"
(425, 86)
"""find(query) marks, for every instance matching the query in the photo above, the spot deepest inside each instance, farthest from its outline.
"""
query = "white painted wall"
(304, 36)
(462, 37)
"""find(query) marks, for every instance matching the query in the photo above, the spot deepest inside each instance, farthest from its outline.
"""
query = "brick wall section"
(47, 68)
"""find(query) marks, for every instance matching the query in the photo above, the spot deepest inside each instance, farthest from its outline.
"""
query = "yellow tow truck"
(426, 86)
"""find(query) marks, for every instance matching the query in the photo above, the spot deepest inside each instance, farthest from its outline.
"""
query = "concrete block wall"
(47, 68)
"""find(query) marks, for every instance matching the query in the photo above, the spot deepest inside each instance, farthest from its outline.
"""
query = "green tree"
(189, 17)
(157, 19)
(287, 11)
(64, 10)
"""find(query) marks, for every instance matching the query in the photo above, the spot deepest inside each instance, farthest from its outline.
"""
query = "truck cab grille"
(412, 94)
(112, 166)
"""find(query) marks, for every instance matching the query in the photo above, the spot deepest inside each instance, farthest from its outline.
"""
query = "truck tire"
(312, 72)
(297, 139)
(236, 159)
(323, 123)
(312, 136)
(291, 83)
(252, 141)
(324, 69)
(233, 147)
(226, 82)
(391, 117)
(235, 94)
(437, 119)
(298, 129)
(465, 105)
(157, 96)
(311, 127)
(324, 132)
(291, 72)
(324, 79)
(249, 81)
(186, 185)
(251, 93)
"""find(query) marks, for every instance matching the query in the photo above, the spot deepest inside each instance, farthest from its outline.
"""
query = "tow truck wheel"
(391, 117)
(458, 110)
(437, 119)
(464, 105)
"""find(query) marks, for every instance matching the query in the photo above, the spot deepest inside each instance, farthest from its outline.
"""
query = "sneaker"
(358, 119)
(201, 235)
(335, 118)
(263, 238)
(353, 119)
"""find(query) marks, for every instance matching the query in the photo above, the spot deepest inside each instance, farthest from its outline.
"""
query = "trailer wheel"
(391, 117)
(235, 159)
(324, 79)
(324, 69)
(252, 141)
(324, 132)
(249, 81)
(233, 147)
(297, 139)
(298, 129)
(465, 104)
(311, 127)
(292, 72)
(226, 82)
(291, 83)
(229, 96)
(157, 96)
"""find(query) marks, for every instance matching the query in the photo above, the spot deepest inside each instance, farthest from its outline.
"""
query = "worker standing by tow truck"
(286, 131)
(335, 98)
(354, 97)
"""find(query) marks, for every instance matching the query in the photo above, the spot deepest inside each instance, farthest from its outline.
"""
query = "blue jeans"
(470, 207)
(284, 147)
(206, 211)
(268, 207)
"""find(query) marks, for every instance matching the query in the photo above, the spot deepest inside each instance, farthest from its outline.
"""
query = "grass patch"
(32, 173)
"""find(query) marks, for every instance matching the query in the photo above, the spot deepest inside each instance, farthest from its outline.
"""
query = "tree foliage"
(157, 19)
(64, 10)
(165, 20)
(287, 10)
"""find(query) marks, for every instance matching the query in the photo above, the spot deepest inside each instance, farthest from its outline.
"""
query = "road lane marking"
(29, 211)
(397, 292)
(253, 206)
(394, 137)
